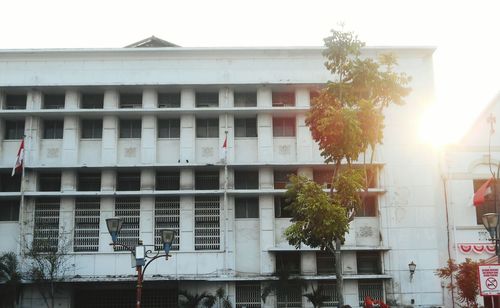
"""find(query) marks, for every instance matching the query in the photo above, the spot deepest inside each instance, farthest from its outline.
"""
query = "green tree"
(346, 120)
(188, 300)
(316, 297)
(222, 298)
(282, 286)
(10, 280)
(465, 280)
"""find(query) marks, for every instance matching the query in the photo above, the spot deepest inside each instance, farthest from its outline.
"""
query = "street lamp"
(412, 266)
(142, 256)
(490, 222)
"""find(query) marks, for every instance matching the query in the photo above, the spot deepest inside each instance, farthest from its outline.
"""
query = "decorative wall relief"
(130, 152)
(53, 152)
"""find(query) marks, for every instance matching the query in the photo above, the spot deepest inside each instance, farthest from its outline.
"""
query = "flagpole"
(21, 202)
(226, 246)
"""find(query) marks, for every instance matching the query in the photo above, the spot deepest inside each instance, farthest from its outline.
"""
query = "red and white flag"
(482, 192)
(223, 151)
(19, 159)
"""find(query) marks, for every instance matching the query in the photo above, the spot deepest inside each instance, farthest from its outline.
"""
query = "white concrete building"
(136, 133)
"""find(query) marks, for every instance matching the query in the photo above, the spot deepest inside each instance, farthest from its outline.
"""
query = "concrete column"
(109, 140)
(186, 227)
(188, 98)
(265, 140)
(71, 100)
(188, 138)
(302, 98)
(226, 98)
(308, 263)
(68, 180)
(148, 139)
(33, 129)
(266, 178)
(147, 179)
(149, 99)
(66, 220)
(70, 140)
(2, 99)
(186, 179)
(266, 208)
(264, 97)
(107, 211)
(229, 120)
(108, 180)
(34, 100)
(111, 99)
(146, 220)
(304, 141)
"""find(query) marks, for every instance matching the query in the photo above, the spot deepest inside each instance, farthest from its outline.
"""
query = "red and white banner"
(19, 159)
(478, 248)
(223, 151)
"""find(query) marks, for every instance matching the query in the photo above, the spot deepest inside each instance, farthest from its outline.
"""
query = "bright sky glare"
(466, 63)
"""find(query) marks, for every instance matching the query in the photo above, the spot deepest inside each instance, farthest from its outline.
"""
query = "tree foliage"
(285, 283)
(316, 297)
(465, 280)
(188, 300)
(10, 280)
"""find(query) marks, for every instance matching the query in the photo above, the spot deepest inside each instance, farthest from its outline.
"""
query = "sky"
(465, 33)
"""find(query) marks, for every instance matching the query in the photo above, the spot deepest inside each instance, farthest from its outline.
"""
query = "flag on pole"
(223, 151)
(482, 192)
(19, 159)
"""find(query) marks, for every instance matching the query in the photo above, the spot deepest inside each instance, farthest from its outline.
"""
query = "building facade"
(137, 133)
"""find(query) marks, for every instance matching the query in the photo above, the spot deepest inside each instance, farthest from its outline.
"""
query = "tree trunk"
(338, 273)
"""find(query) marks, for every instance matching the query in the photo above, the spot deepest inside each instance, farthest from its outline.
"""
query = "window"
(248, 295)
(53, 129)
(281, 99)
(245, 99)
(130, 128)
(15, 101)
(280, 207)
(86, 234)
(245, 127)
(206, 223)
(128, 208)
(167, 180)
(246, 207)
(53, 101)
(290, 297)
(131, 100)
(246, 179)
(49, 181)
(207, 99)
(284, 127)
(323, 177)
(167, 216)
(325, 263)
(89, 181)
(169, 128)
(281, 178)
(128, 181)
(207, 128)
(368, 262)
(46, 226)
(169, 100)
(14, 129)
(288, 262)
(489, 205)
(369, 207)
(204, 180)
(9, 209)
(92, 101)
(373, 288)
(91, 129)
(10, 183)
(329, 291)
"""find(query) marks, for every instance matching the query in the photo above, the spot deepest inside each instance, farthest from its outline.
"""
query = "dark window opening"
(246, 179)
(245, 99)
(89, 181)
(91, 129)
(131, 100)
(128, 181)
(368, 262)
(281, 99)
(15, 101)
(281, 207)
(368, 207)
(53, 129)
(205, 180)
(325, 263)
(284, 127)
(10, 183)
(49, 181)
(169, 128)
(207, 128)
(246, 207)
(169, 100)
(92, 101)
(9, 209)
(53, 101)
(281, 178)
(207, 99)
(245, 127)
(130, 128)
(167, 180)
(288, 262)
(14, 129)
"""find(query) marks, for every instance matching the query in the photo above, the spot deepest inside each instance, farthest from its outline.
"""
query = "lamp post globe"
(114, 225)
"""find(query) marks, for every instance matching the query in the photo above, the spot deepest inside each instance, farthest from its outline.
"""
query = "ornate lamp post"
(490, 222)
(412, 267)
(142, 256)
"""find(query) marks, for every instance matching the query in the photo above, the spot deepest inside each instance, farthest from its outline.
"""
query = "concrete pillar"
(266, 208)
(226, 123)
(304, 141)
(71, 100)
(108, 180)
(302, 97)
(149, 99)
(188, 98)
(34, 100)
(147, 179)
(186, 227)
(111, 99)
(266, 178)
(148, 139)
(265, 140)
(109, 139)
(33, 129)
(188, 138)
(308, 263)
(70, 140)
(226, 98)
(107, 211)
(146, 220)
(264, 97)
(68, 180)
(66, 220)
(186, 179)
(2, 99)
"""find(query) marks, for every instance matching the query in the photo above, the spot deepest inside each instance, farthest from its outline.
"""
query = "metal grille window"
(15, 101)
(288, 262)
(245, 99)
(329, 291)
(49, 181)
(46, 227)
(92, 101)
(325, 263)
(281, 99)
(167, 180)
(169, 100)
(248, 295)
(290, 297)
(368, 262)
(53, 101)
(130, 128)
(128, 181)
(207, 99)
(128, 208)
(86, 234)
(245, 127)
(280, 207)
(91, 129)
(374, 289)
(14, 129)
(9, 209)
(10, 183)
(207, 223)
(207, 128)
(89, 181)
(246, 207)
(281, 178)
(169, 128)
(53, 129)
(130, 100)
(204, 180)
(246, 179)
(284, 127)
(167, 216)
